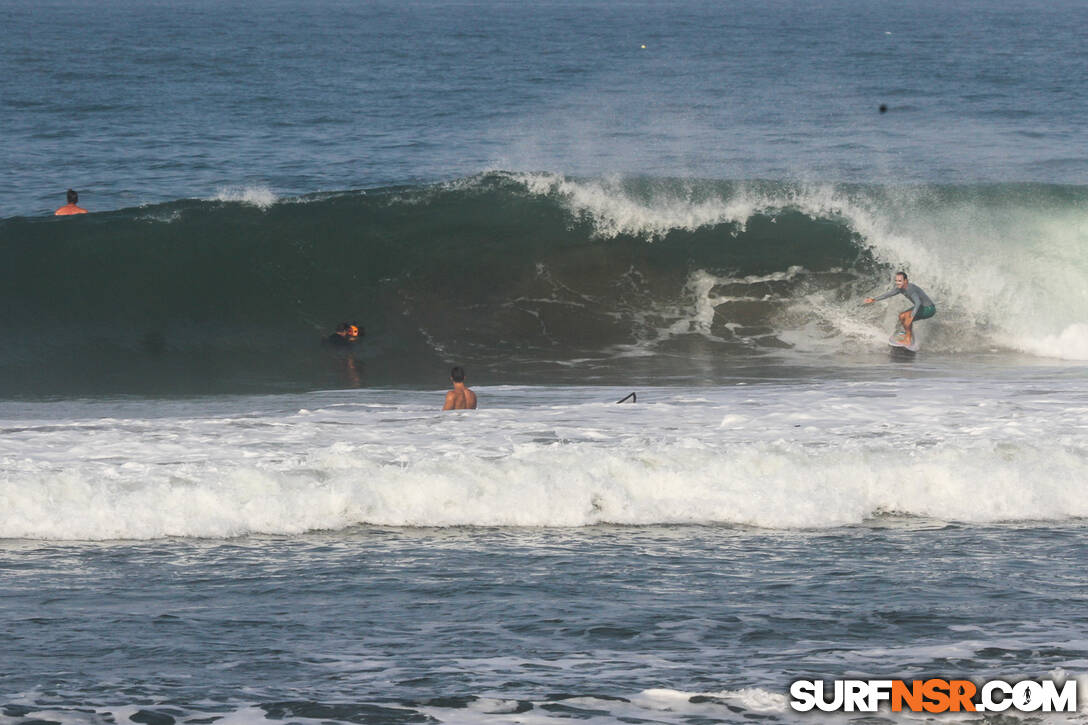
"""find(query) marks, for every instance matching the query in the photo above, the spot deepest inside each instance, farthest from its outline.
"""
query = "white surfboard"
(896, 340)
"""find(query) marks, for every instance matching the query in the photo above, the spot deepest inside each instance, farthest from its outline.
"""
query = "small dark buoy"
(883, 107)
(632, 397)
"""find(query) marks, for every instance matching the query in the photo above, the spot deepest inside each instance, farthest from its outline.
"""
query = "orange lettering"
(912, 695)
(961, 693)
(936, 691)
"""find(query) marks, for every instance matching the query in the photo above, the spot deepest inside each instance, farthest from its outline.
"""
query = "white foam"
(1070, 344)
(769, 456)
(655, 704)
(753, 699)
(258, 196)
(1003, 271)
(613, 210)
(695, 311)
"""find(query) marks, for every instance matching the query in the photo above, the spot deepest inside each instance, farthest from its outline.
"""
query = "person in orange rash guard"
(70, 207)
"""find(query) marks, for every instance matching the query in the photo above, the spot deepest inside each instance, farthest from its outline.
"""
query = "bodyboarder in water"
(342, 341)
(346, 334)
(460, 398)
(923, 306)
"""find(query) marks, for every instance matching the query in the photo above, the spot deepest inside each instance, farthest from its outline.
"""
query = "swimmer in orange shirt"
(70, 207)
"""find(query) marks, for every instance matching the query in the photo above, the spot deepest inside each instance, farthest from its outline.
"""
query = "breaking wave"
(527, 275)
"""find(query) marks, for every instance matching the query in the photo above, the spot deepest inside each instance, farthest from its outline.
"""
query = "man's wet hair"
(902, 273)
(73, 197)
(457, 374)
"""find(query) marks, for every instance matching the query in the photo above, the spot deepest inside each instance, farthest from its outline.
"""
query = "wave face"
(529, 277)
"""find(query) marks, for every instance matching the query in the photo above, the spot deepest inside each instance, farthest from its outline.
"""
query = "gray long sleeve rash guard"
(913, 293)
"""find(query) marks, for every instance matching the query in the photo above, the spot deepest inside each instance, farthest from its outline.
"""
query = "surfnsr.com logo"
(934, 696)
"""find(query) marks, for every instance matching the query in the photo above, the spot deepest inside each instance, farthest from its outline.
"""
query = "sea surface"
(208, 514)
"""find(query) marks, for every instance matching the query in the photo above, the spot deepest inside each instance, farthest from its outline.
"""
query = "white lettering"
(855, 696)
(803, 693)
(1027, 696)
(836, 702)
(879, 691)
(1064, 701)
(989, 704)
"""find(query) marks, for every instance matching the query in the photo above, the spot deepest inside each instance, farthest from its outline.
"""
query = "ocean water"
(209, 515)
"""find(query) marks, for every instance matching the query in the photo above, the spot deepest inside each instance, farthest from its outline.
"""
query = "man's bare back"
(71, 207)
(460, 398)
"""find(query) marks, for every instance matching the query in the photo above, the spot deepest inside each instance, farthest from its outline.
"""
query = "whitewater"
(801, 455)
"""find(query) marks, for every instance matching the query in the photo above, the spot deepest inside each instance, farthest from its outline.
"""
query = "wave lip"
(649, 209)
(259, 196)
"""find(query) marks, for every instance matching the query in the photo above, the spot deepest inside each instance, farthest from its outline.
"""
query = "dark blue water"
(665, 624)
(135, 102)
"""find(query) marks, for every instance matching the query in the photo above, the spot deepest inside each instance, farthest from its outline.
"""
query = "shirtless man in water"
(460, 398)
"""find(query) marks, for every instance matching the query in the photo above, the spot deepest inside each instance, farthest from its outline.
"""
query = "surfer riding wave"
(923, 306)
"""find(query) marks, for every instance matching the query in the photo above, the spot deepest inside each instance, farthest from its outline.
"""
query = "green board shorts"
(926, 312)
